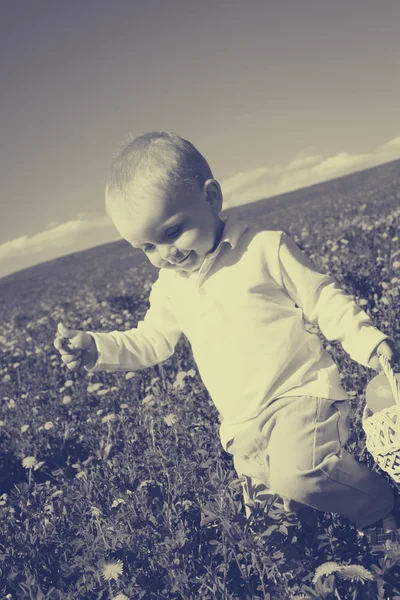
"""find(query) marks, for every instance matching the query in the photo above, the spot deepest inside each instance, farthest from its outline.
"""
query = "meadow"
(115, 485)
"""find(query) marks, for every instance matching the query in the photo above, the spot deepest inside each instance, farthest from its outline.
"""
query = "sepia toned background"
(277, 95)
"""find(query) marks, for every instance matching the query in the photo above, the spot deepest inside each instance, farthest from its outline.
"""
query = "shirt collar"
(231, 234)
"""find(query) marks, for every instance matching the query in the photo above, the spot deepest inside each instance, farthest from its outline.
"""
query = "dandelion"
(29, 462)
(24, 428)
(112, 570)
(82, 475)
(108, 418)
(170, 419)
(149, 399)
(93, 387)
(117, 502)
(102, 392)
(48, 425)
(355, 573)
(393, 550)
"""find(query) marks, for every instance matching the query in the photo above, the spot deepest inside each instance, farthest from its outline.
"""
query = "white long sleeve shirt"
(242, 313)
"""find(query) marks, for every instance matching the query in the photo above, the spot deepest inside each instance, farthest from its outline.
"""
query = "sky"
(276, 94)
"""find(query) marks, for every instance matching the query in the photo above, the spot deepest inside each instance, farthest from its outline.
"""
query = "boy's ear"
(213, 194)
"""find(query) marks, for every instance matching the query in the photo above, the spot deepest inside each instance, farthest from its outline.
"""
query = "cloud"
(302, 171)
(56, 240)
(82, 232)
(55, 236)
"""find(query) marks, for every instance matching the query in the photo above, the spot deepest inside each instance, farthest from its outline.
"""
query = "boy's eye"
(174, 231)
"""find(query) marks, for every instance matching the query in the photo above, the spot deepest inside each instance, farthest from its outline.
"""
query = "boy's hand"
(388, 349)
(77, 348)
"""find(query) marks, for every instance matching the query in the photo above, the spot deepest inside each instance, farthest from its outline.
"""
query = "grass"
(115, 486)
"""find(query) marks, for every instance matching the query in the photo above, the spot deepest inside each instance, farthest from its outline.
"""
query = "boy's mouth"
(183, 259)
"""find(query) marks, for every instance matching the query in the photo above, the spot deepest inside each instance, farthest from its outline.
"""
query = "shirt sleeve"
(326, 305)
(153, 340)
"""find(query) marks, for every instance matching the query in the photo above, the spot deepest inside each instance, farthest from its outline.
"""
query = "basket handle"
(394, 384)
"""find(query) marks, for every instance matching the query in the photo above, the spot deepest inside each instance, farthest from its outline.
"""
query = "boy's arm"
(152, 342)
(325, 304)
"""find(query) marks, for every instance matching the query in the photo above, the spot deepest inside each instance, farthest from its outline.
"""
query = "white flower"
(108, 418)
(355, 572)
(24, 428)
(2, 423)
(149, 399)
(68, 383)
(93, 387)
(96, 512)
(120, 597)
(326, 569)
(82, 475)
(117, 502)
(170, 419)
(48, 425)
(67, 400)
(130, 374)
(29, 462)
(112, 570)
(102, 392)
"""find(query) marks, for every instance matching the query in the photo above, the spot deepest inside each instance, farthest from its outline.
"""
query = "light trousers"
(295, 449)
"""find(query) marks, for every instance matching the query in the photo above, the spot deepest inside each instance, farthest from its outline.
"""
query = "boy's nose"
(168, 253)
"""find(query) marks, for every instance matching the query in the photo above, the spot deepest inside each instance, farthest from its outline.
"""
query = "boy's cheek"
(156, 261)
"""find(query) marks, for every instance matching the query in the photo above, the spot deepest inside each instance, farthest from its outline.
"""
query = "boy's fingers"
(72, 366)
(58, 342)
(63, 345)
(68, 358)
(64, 331)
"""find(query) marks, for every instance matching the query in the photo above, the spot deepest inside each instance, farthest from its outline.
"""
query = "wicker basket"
(383, 429)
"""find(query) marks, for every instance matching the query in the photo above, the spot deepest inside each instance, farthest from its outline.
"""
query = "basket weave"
(383, 429)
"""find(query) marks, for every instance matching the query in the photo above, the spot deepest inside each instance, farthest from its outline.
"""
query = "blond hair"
(160, 158)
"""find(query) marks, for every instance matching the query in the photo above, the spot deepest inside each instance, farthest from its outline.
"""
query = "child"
(239, 294)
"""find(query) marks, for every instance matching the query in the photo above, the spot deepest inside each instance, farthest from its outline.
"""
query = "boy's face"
(176, 228)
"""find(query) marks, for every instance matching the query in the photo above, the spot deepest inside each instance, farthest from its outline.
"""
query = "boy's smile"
(176, 228)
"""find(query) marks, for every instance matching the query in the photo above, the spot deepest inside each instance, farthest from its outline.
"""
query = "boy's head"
(162, 197)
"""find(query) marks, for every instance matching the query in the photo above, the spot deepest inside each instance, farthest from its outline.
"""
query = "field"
(115, 486)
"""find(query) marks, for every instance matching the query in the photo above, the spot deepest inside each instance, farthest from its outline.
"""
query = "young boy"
(239, 294)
